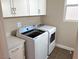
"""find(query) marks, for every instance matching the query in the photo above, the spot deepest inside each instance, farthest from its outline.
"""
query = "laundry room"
(39, 29)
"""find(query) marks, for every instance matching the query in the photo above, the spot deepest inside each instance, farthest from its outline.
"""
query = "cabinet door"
(42, 7)
(17, 53)
(21, 7)
(33, 4)
(6, 8)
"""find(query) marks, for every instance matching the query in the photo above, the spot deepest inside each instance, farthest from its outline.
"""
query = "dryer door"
(52, 38)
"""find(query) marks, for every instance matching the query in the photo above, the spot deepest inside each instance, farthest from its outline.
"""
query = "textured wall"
(66, 31)
(10, 23)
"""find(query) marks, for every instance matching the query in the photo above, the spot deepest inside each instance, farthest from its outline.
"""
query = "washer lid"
(33, 33)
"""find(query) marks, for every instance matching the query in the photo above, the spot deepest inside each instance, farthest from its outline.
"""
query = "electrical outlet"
(19, 24)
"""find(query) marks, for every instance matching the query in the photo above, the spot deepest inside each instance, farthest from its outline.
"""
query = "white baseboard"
(47, 57)
(65, 47)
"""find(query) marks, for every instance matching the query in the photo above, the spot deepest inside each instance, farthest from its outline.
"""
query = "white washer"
(51, 36)
(36, 42)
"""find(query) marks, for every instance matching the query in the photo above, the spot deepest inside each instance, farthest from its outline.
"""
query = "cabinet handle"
(12, 11)
(38, 11)
(15, 49)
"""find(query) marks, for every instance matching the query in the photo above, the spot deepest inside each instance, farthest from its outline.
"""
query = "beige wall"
(10, 23)
(66, 31)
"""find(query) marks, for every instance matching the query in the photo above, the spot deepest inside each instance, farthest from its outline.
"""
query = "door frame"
(3, 43)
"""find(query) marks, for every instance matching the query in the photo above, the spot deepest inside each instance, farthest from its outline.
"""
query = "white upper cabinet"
(6, 8)
(42, 7)
(21, 7)
(33, 5)
(37, 7)
(15, 8)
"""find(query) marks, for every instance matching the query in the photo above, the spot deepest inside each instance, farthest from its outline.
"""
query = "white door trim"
(3, 44)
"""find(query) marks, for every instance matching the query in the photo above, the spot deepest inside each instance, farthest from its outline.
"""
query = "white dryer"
(51, 36)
